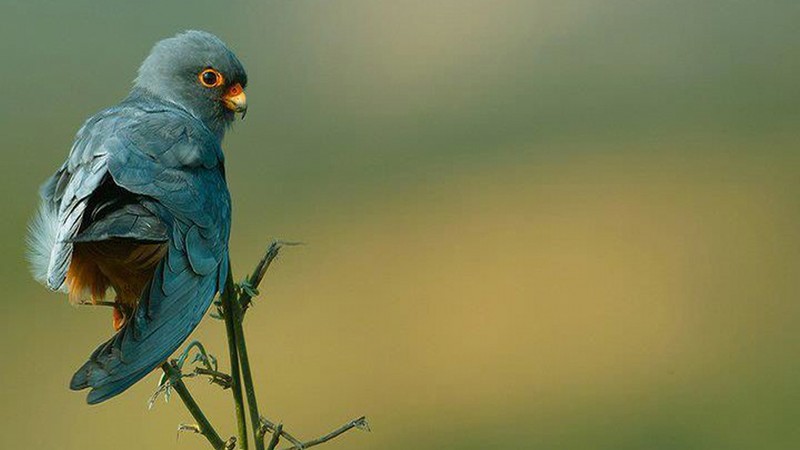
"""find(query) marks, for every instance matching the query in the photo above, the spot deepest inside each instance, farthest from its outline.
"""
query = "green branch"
(232, 304)
(228, 299)
(360, 423)
(278, 432)
(249, 287)
(244, 363)
(205, 428)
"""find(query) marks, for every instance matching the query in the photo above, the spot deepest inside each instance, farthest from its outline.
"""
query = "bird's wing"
(178, 164)
(115, 213)
(67, 193)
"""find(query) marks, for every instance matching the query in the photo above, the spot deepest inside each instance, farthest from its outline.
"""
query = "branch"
(202, 355)
(227, 299)
(244, 360)
(222, 379)
(249, 287)
(276, 436)
(231, 306)
(266, 426)
(360, 423)
(278, 431)
(174, 377)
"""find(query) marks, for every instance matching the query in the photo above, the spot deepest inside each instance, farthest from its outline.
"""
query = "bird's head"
(197, 71)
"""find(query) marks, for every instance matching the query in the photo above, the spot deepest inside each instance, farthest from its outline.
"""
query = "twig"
(189, 428)
(222, 379)
(360, 423)
(203, 356)
(250, 285)
(266, 425)
(231, 306)
(227, 300)
(174, 377)
(276, 436)
(97, 303)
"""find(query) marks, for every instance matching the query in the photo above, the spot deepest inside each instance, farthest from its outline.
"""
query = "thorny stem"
(360, 423)
(228, 298)
(174, 377)
(207, 360)
(252, 282)
(276, 437)
(267, 426)
(233, 305)
(223, 380)
(244, 362)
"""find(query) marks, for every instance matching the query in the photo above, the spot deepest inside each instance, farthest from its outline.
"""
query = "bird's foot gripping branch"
(231, 306)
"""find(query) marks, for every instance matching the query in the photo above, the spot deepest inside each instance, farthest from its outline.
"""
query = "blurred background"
(533, 224)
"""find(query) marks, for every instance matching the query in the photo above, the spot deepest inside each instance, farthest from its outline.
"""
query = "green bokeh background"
(533, 224)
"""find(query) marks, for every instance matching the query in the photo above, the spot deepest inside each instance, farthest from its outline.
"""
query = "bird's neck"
(215, 121)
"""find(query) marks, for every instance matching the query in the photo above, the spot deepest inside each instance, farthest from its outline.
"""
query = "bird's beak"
(235, 100)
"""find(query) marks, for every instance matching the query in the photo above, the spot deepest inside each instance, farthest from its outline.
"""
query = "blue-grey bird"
(141, 207)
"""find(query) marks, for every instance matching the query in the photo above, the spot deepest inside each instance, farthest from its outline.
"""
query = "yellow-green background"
(535, 224)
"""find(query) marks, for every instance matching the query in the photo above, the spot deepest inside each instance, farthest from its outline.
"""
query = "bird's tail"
(169, 309)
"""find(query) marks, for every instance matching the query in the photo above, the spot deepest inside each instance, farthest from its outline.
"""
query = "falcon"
(140, 209)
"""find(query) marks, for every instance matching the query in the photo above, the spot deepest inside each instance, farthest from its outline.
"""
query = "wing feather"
(172, 159)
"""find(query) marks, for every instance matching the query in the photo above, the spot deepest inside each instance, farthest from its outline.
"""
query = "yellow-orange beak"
(235, 100)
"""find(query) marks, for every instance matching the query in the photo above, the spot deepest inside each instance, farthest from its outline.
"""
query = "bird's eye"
(210, 78)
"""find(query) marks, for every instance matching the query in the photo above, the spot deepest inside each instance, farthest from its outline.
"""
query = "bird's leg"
(121, 314)
(118, 320)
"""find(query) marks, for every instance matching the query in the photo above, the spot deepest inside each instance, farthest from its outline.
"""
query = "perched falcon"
(141, 206)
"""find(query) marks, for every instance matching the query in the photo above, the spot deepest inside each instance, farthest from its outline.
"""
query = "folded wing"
(172, 162)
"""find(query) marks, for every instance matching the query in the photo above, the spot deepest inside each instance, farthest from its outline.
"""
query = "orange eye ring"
(211, 78)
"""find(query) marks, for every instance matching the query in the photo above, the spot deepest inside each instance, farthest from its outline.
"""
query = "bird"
(141, 209)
